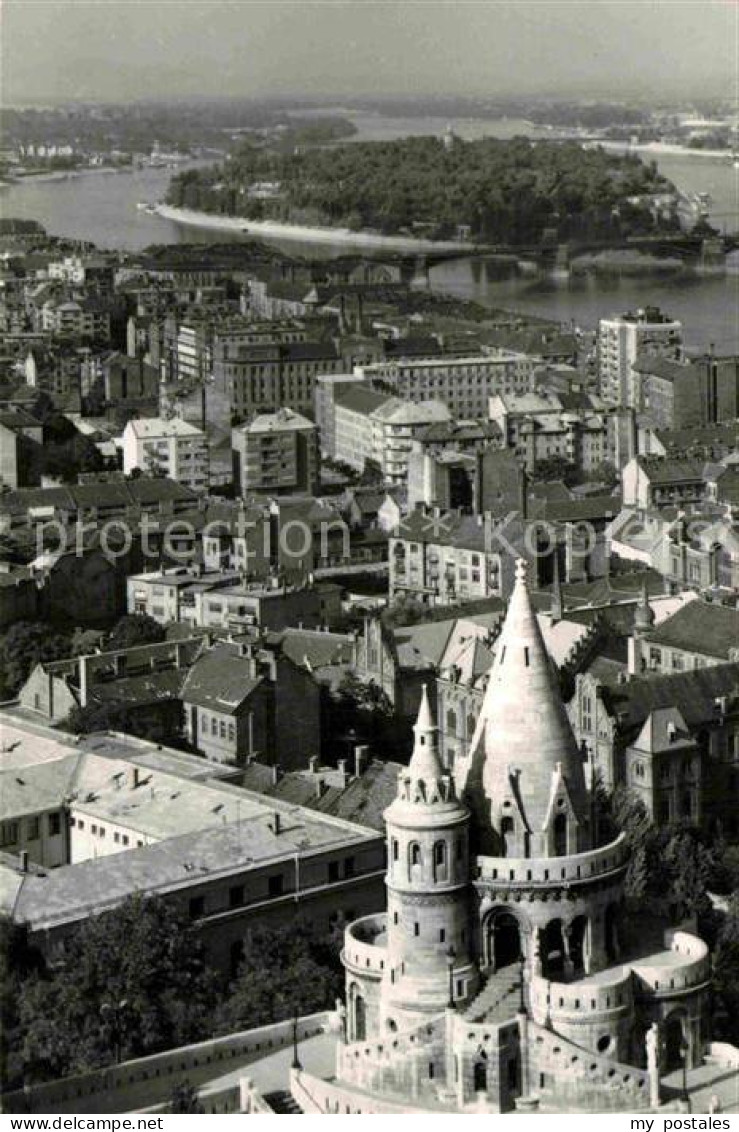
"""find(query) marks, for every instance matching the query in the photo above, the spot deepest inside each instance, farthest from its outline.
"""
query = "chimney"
(343, 773)
(23, 858)
(134, 777)
(276, 774)
(313, 762)
(671, 731)
(361, 758)
(274, 823)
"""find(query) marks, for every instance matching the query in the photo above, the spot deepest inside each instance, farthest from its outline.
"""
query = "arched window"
(506, 833)
(415, 859)
(440, 860)
(395, 849)
(560, 835)
(451, 722)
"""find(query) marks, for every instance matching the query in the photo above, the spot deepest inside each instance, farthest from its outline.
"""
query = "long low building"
(87, 823)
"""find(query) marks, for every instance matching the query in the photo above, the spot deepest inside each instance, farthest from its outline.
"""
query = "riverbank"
(662, 149)
(272, 229)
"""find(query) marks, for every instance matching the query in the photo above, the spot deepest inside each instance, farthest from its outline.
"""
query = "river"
(102, 208)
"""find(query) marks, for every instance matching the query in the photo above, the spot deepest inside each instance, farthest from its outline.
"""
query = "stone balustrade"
(315, 1095)
(553, 871)
(164, 1069)
(571, 1064)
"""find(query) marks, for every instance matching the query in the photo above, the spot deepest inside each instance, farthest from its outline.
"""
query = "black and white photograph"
(369, 562)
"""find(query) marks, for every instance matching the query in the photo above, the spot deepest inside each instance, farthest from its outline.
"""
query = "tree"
(18, 961)
(726, 973)
(128, 983)
(185, 1098)
(135, 629)
(23, 646)
(285, 971)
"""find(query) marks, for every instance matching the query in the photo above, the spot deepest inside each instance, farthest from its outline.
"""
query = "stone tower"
(428, 909)
(500, 976)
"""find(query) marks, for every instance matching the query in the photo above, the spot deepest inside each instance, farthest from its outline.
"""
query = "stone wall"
(159, 1068)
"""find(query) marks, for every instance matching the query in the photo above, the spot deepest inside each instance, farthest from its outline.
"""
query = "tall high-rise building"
(622, 338)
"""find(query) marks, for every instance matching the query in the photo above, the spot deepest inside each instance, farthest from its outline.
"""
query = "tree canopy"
(285, 970)
(128, 983)
(512, 191)
(26, 644)
(135, 629)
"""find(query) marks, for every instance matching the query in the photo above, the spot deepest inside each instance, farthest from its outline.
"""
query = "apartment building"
(622, 339)
(276, 454)
(464, 384)
(545, 425)
(373, 427)
(265, 378)
(442, 558)
(173, 448)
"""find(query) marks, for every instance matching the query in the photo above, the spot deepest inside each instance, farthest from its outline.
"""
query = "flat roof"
(73, 891)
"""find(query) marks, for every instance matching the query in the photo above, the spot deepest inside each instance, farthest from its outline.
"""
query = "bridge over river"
(707, 252)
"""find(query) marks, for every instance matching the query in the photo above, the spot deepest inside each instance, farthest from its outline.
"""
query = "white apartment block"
(622, 338)
(372, 426)
(173, 448)
(465, 385)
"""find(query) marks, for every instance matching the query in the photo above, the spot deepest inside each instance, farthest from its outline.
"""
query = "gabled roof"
(664, 729)
(694, 692)
(667, 470)
(700, 627)
(221, 680)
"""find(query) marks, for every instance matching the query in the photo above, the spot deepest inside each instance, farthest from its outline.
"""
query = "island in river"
(513, 192)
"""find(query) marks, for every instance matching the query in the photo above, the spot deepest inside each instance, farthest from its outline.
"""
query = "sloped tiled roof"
(221, 680)
(701, 627)
(694, 692)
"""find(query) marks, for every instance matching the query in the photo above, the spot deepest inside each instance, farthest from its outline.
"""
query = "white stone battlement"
(684, 963)
(365, 945)
(550, 871)
(586, 996)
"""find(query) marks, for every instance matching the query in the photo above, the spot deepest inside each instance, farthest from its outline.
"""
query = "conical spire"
(425, 764)
(424, 786)
(524, 742)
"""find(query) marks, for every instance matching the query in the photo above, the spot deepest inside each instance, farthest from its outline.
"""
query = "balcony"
(365, 943)
(550, 872)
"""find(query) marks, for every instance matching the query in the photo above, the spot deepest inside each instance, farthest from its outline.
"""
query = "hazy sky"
(119, 49)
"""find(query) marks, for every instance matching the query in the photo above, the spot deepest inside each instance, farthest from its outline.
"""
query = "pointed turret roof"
(424, 785)
(523, 737)
(425, 764)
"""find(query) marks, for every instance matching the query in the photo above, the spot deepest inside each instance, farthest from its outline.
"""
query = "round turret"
(428, 927)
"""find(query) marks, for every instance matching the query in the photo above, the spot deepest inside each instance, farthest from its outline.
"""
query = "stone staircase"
(282, 1102)
(499, 998)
